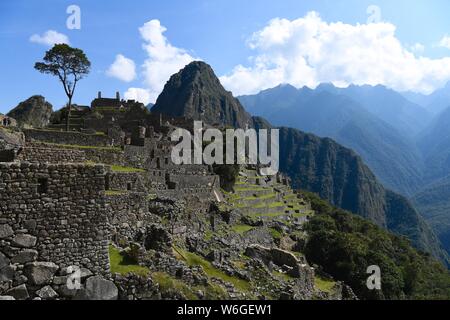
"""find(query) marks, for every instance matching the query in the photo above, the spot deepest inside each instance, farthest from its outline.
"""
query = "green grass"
(241, 228)
(249, 189)
(116, 168)
(275, 233)
(74, 146)
(121, 264)
(282, 276)
(192, 259)
(323, 284)
(269, 215)
(114, 192)
(168, 283)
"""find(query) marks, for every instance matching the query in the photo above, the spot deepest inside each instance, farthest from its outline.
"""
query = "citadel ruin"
(68, 197)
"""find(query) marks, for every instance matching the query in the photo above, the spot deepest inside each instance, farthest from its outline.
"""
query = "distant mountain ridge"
(316, 164)
(328, 112)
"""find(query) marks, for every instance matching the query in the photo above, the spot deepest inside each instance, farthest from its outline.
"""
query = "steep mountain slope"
(435, 145)
(318, 165)
(393, 157)
(34, 112)
(434, 204)
(340, 176)
(195, 92)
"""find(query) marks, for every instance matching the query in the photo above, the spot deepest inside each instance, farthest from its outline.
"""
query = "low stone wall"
(200, 193)
(54, 214)
(51, 155)
(106, 156)
(127, 181)
(71, 138)
(181, 181)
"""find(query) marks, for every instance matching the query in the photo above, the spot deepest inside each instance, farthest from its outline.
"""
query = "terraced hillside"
(260, 198)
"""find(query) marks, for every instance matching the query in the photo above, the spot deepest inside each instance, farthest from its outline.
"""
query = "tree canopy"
(69, 64)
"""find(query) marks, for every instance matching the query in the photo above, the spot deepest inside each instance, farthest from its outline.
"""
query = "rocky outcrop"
(33, 112)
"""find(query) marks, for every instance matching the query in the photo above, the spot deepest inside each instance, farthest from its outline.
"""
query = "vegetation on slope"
(344, 245)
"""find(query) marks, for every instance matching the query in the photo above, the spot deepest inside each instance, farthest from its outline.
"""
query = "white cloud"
(309, 51)
(138, 94)
(163, 59)
(123, 69)
(418, 48)
(50, 38)
(445, 42)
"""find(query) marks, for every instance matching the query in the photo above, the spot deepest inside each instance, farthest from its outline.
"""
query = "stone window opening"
(42, 185)
(107, 183)
(129, 186)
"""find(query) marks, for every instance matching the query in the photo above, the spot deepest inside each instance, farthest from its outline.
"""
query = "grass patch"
(249, 189)
(167, 283)
(269, 215)
(192, 259)
(275, 233)
(74, 146)
(282, 275)
(114, 192)
(116, 168)
(323, 284)
(123, 265)
(241, 228)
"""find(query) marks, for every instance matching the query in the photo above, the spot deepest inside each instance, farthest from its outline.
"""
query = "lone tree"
(70, 65)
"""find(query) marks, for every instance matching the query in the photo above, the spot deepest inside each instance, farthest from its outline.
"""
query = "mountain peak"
(195, 92)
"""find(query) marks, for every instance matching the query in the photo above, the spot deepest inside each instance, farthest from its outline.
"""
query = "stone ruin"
(66, 196)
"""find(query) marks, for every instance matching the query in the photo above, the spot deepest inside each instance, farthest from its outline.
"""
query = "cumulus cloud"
(163, 59)
(50, 38)
(445, 42)
(138, 94)
(123, 69)
(309, 51)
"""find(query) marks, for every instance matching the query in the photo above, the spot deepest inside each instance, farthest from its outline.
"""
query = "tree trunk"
(69, 110)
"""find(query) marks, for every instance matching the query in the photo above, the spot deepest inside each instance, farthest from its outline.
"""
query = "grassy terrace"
(115, 192)
(241, 228)
(192, 259)
(167, 283)
(323, 284)
(123, 265)
(126, 169)
(73, 146)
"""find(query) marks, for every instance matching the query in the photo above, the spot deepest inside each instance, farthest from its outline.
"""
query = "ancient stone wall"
(106, 156)
(129, 181)
(127, 213)
(181, 181)
(51, 155)
(54, 213)
(68, 138)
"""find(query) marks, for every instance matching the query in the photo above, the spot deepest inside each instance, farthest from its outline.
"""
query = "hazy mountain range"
(403, 138)
(317, 164)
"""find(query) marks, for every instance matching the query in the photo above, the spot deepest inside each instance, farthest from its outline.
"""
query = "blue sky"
(218, 32)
